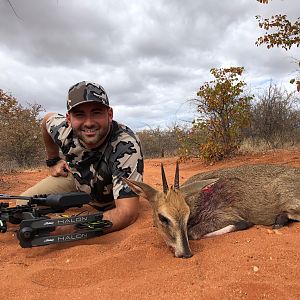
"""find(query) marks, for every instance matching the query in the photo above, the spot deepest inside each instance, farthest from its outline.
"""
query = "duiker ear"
(142, 189)
(197, 186)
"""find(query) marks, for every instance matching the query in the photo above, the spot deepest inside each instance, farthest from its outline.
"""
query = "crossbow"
(36, 226)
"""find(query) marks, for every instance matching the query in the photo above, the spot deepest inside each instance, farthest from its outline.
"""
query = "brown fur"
(234, 198)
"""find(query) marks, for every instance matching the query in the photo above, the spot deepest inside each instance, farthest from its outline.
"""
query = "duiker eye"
(165, 221)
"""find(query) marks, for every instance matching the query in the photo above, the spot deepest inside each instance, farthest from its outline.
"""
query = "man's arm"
(52, 150)
(124, 214)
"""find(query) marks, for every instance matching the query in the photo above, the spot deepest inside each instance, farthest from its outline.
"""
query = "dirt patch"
(134, 263)
(4, 185)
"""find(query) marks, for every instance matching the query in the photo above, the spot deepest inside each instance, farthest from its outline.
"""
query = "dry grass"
(260, 146)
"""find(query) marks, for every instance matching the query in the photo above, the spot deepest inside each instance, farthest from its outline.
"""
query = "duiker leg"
(281, 220)
(294, 216)
(197, 233)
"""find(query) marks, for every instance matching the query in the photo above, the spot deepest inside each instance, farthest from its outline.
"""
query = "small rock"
(255, 269)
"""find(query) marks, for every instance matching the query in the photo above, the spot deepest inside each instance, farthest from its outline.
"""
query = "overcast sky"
(150, 56)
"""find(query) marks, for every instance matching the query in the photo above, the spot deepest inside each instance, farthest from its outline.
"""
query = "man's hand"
(60, 169)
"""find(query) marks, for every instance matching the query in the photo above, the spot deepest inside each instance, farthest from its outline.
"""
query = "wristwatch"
(52, 161)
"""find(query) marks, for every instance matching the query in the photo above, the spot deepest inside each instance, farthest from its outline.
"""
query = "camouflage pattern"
(85, 91)
(98, 172)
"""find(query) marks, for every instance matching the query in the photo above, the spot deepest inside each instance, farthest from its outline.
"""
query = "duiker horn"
(164, 179)
(176, 178)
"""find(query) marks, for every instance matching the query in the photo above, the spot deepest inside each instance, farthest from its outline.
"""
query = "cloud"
(150, 56)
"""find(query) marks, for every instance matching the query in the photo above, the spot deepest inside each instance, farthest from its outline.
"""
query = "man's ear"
(68, 117)
(110, 113)
(142, 189)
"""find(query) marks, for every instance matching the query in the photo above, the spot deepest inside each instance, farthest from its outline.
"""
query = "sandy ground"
(134, 263)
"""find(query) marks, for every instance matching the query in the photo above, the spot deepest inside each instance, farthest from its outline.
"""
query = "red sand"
(135, 263)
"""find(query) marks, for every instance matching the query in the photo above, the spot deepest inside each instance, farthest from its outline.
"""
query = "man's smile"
(89, 132)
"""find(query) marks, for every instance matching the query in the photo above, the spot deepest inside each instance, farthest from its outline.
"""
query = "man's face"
(90, 122)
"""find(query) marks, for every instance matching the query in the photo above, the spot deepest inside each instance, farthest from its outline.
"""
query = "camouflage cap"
(86, 91)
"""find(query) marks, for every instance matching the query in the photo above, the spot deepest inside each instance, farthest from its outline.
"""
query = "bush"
(20, 133)
(275, 118)
(159, 143)
(224, 111)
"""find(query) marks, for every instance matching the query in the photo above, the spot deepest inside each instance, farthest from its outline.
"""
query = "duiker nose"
(185, 255)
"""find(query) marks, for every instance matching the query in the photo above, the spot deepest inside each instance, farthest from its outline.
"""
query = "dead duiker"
(222, 201)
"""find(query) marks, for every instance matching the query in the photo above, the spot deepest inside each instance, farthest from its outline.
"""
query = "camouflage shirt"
(98, 171)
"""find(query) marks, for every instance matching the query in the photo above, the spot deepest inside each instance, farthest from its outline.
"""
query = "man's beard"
(96, 139)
